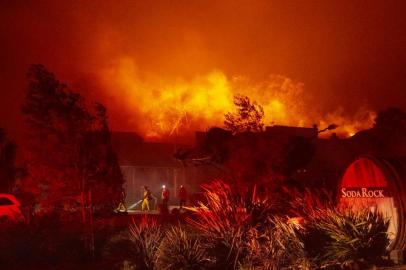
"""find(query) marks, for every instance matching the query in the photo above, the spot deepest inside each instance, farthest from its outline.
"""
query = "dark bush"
(180, 250)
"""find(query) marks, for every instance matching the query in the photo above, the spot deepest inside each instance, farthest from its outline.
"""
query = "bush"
(223, 223)
(346, 237)
(146, 238)
(235, 234)
(276, 246)
(180, 251)
(235, 227)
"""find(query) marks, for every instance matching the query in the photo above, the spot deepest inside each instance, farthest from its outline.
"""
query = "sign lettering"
(363, 193)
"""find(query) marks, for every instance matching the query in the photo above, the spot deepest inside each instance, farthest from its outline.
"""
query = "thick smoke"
(131, 55)
(161, 109)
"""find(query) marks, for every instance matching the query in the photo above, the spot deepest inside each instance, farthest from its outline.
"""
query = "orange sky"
(346, 54)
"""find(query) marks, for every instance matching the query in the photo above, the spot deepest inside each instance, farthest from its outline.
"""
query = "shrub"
(146, 238)
(180, 251)
(223, 223)
(346, 237)
(277, 246)
(308, 202)
(231, 236)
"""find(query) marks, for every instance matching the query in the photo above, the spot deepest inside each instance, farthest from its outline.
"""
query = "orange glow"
(298, 222)
(164, 108)
(348, 126)
(127, 53)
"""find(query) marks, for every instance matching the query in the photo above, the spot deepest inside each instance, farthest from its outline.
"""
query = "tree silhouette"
(70, 147)
(391, 119)
(248, 117)
(71, 157)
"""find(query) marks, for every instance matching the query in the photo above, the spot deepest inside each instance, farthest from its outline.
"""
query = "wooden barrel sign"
(377, 184)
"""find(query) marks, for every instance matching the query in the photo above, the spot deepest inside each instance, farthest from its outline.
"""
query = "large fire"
(162, 108)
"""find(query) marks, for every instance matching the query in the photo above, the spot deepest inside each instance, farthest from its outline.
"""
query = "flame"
(164, 109)
(349, 126)
(160, 108)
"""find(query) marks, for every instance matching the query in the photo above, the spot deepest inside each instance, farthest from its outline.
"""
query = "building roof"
(288, 131)
(132, 150)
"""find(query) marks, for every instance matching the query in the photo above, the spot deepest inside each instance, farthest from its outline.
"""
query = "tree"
(391, 119)
(248, 117)
(70, 144)
(102, 161)
(58, 122)
(71, 157)
(8, 169)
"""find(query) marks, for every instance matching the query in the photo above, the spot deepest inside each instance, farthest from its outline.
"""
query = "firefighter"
(182, 196)
(146, 199)
(165, 198)
(121, 208)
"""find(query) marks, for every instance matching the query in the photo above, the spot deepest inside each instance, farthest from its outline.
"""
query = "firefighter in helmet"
(182, 196)
(146, 199)
(121, 208)
(165, 197)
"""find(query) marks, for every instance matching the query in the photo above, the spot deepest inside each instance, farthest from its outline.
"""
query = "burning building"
(365, 171)
(370, 163)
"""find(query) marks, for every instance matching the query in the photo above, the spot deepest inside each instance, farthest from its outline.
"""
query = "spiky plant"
(347, 236)
(285, 246)
(276, 246)
(305, 204)
(224, 239)
(146, 236)
(222, 223)
(179, 250)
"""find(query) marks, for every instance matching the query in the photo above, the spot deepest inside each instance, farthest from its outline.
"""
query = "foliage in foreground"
(345, 237)
(224, 222)
(179, 250)
(276, 246)
(146, 238)
(226, 233)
